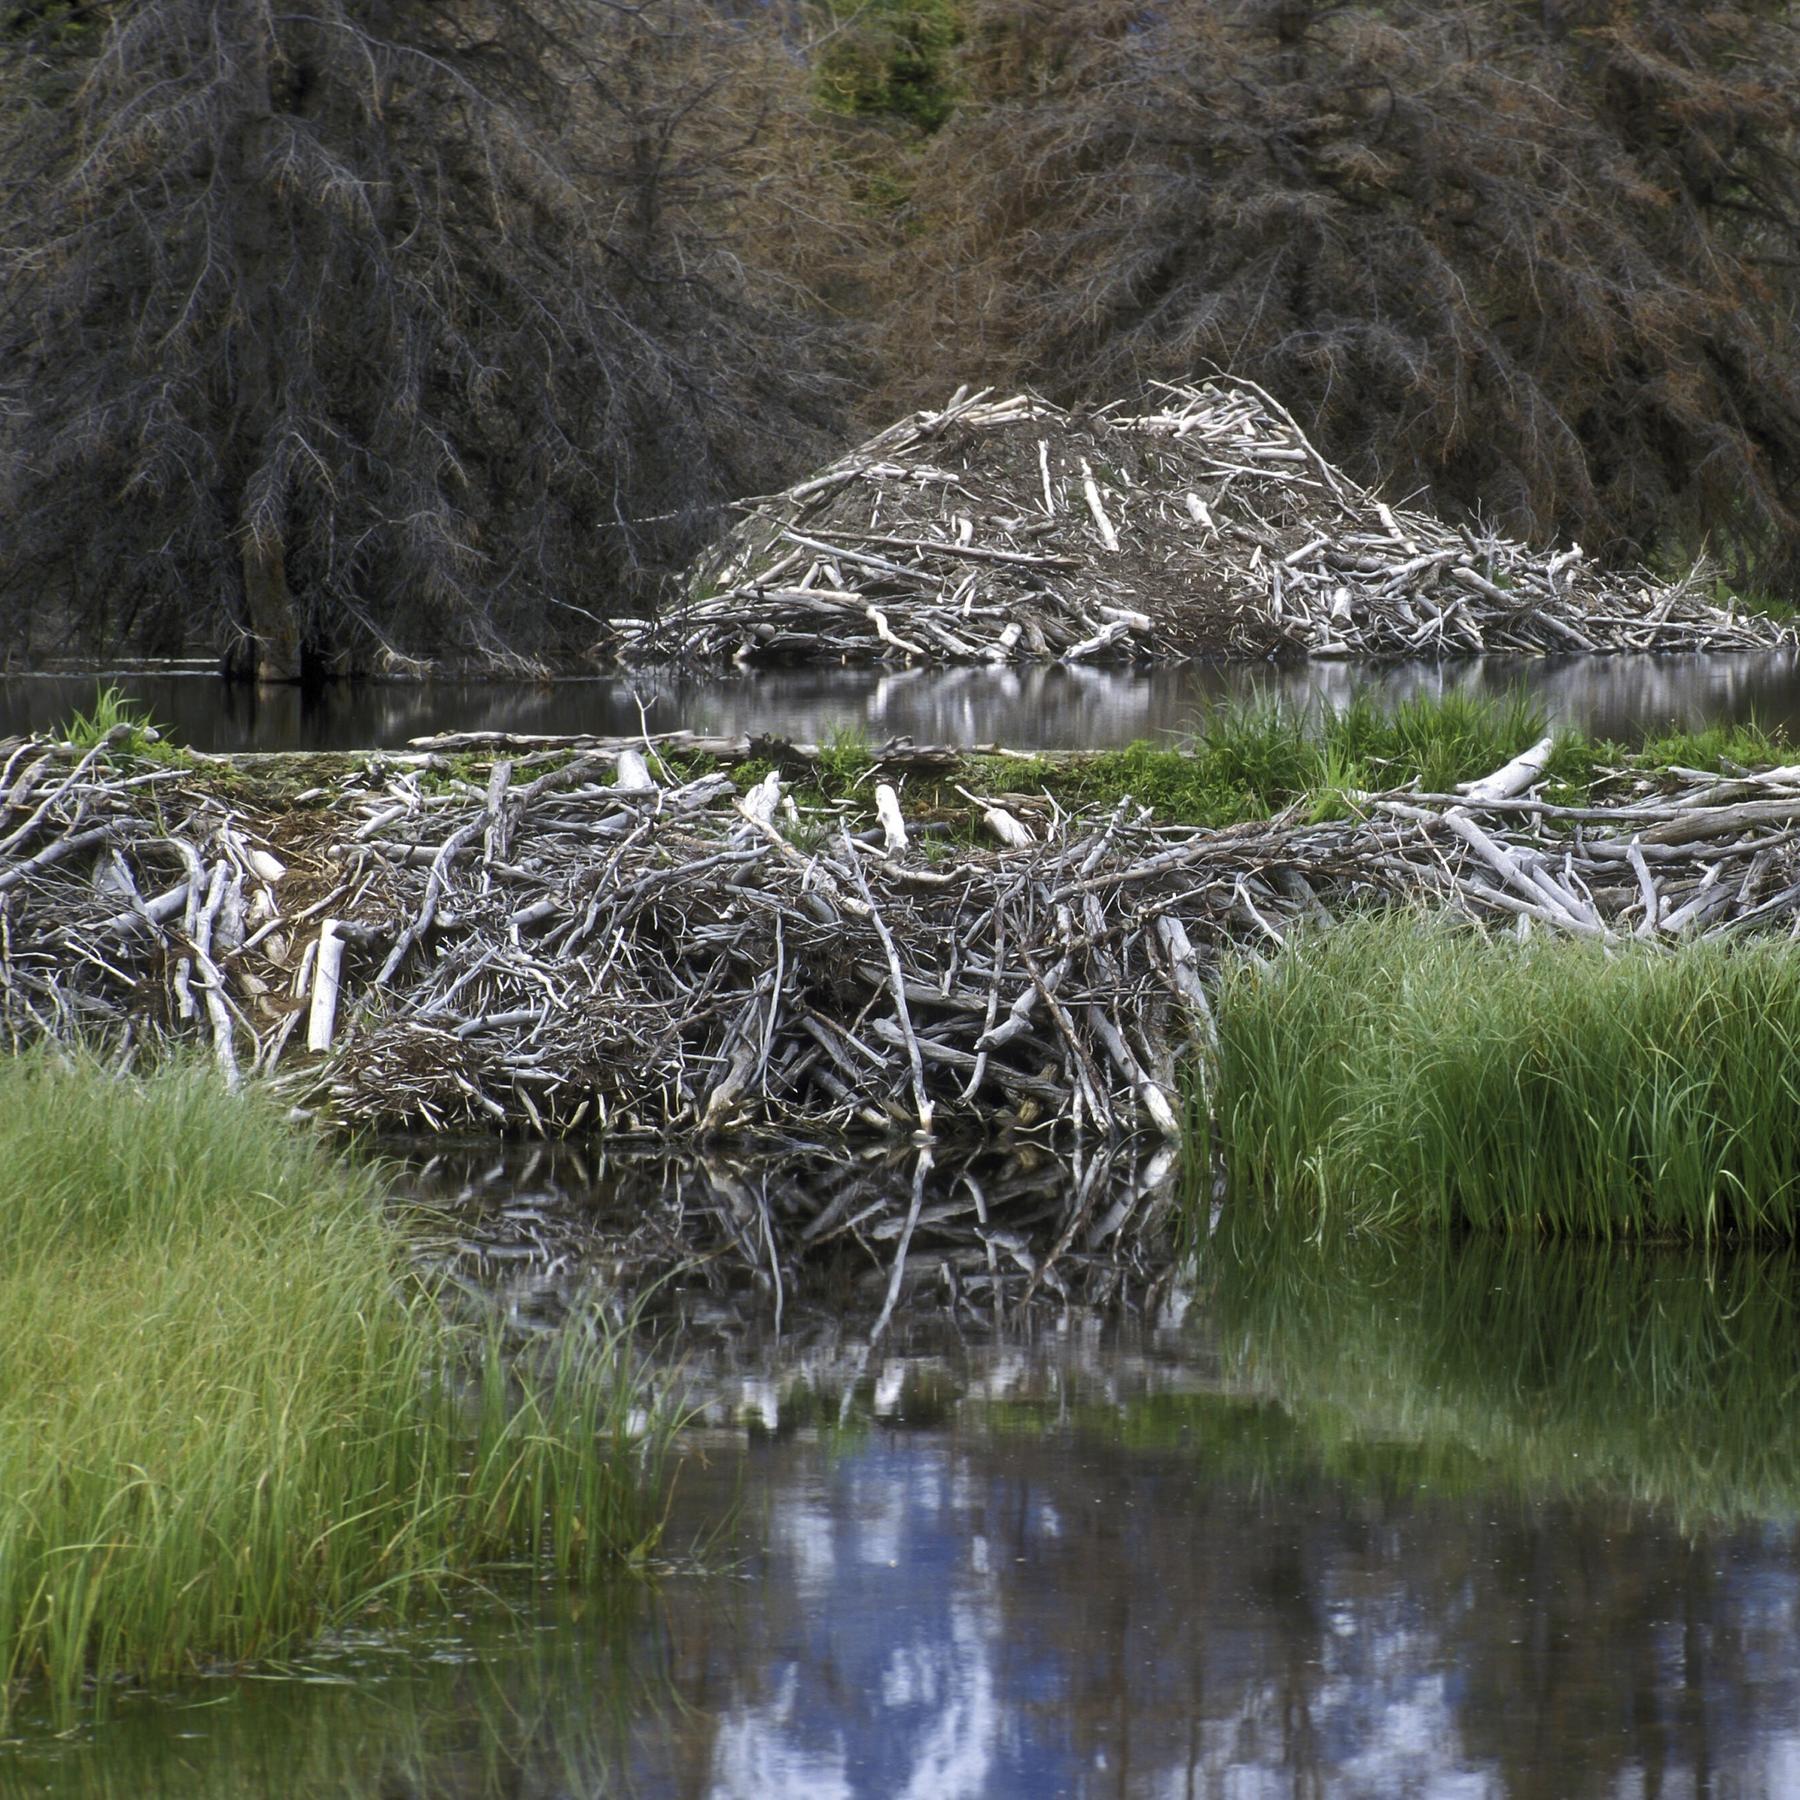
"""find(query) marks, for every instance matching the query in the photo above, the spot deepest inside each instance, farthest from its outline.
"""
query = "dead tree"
(342, 336)
(1536, 260)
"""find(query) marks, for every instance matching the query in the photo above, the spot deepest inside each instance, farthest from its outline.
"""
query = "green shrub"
(890, 59)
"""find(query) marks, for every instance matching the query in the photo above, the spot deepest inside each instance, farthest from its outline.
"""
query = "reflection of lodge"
(1368, 1520)
(1084, 706)
(822, 1251)
(1658, 1377)
(1371, 1522)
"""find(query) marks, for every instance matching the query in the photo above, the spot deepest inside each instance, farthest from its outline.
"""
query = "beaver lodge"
(627, 937)
(1197, 520)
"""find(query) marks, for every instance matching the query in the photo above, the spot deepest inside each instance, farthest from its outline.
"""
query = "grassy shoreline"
(230, 1413)
(1396, 1071)
(1239, 764)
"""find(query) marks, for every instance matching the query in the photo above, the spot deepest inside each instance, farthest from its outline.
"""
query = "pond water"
(1035, 708)
(1356, 1519)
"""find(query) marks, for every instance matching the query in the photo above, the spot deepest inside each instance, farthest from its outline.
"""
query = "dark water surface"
(1023, 708)
(1371, 1520)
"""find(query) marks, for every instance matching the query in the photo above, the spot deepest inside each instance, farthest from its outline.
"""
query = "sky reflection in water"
(1369, 1521)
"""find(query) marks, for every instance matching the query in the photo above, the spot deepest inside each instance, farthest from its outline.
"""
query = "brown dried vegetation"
(1539, 260)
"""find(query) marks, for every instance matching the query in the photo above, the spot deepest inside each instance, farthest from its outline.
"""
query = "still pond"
(1027, 709)
(1354, 1519)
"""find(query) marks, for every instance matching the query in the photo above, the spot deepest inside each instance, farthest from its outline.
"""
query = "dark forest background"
(348, 335)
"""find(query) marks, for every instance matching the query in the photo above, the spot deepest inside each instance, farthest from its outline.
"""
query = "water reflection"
(746, 1251)
(1096, 708)
(1646, 1375)
(1052, 707)
(1393, 1522)
(534, 1698)
(1371, 1520)
(992, 1618)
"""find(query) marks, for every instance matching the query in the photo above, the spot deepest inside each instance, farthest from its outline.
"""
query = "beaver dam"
(1196, 520)
(635, 938)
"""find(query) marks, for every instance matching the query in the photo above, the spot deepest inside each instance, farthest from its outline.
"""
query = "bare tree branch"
(339, 334)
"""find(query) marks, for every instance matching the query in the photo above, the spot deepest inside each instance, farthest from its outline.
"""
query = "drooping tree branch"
(338, 335)
(1536, 260)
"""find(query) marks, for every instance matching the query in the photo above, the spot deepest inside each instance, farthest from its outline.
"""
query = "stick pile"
(600, 945)
(1198, 521)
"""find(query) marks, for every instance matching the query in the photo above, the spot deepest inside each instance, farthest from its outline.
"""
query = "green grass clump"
(845, 761)
(115, 710)
(231, 1416)
(1251, 762)
(1397, 1071)
(1724, 747)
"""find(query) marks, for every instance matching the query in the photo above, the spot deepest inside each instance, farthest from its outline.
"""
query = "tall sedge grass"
(1397, 1071)
(230, 1416)
(1274, 755)
(1742, 743)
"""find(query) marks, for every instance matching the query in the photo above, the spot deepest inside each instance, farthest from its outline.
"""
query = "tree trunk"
(269, 613)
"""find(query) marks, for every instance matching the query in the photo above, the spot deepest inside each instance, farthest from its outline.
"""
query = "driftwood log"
(545, 949)
(1195, 520)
